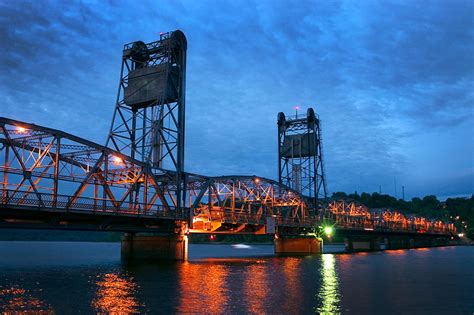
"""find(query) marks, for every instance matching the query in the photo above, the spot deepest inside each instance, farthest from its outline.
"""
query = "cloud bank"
(391, 81)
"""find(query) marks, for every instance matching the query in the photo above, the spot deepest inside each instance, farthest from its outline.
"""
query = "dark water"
(65, 277)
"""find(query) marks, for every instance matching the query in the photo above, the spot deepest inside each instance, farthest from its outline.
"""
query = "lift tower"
(148, 121)
(300, 155)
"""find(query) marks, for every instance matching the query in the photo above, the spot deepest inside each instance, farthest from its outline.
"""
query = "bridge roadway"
(55, 180)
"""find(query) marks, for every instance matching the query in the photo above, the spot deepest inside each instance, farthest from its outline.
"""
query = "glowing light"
(257, 180)
(461, 234)
(21, 129)
(328, 230)
(117, 160)
(212, 237)
(297, 107)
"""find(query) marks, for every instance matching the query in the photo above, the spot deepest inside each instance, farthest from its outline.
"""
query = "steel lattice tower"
(148, 121)
(300, 155)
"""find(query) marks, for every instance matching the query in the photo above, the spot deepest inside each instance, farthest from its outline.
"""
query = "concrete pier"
(298, 245)
(155, 247)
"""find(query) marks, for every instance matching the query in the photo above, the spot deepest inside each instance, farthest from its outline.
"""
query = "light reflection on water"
(16, 299)
(329, 291)
(291, 268)
(325, 284)
(202, 288)
(115, 294)
(256, 288)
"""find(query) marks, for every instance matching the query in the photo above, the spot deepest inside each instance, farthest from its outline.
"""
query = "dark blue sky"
(393, 82)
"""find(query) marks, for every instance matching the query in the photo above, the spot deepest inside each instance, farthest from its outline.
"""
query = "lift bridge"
(136, 182)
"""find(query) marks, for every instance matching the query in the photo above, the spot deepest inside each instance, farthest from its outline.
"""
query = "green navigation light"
(328, 230)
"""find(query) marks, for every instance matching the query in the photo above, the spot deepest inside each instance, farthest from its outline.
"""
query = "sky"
(392, 81)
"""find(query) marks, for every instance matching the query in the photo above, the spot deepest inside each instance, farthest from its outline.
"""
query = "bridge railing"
(47, 201)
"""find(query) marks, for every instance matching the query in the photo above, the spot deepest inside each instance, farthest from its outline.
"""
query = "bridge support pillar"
(298, 245)
(362, 244)
(155, 247)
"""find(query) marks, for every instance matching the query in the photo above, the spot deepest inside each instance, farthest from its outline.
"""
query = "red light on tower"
(297, 108)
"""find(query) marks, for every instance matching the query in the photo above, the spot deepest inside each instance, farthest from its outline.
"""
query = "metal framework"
(246, 203)
(300, 155)
(47, 168)
(139, 175)
(44, 168)
(148, 121)
(349, 215)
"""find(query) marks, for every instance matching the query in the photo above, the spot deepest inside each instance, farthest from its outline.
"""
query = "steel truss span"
(47, 169)
(44, 168)
(348, 215)
(246, 204)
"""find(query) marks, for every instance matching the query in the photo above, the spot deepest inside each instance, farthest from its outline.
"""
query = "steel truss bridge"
(137, 182)
(52, 179)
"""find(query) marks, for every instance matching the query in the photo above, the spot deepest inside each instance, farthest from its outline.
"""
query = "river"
(79, 277)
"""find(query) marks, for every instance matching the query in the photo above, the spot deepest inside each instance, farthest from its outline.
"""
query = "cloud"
(380, 74)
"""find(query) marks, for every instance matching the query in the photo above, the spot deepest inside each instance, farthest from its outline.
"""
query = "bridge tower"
(148, 121)
(300, 155)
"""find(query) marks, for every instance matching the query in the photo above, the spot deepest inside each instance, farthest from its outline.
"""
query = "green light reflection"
(328, 294)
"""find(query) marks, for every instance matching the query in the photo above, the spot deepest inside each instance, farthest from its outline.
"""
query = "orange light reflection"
(202, 288)
(292, 302)
(256, 288)
(115, 294)
(16, 300)
(396, 252)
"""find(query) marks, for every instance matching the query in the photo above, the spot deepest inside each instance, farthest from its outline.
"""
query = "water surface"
(65, 277)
